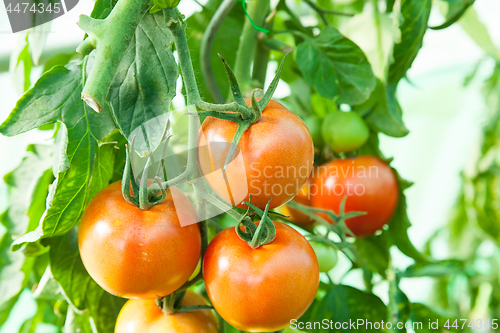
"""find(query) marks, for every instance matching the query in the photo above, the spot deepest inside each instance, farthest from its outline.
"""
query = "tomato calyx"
(256, 236)
(141, 195)
(172, 304)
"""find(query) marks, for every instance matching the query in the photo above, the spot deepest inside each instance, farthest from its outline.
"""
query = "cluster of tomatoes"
(145, 255)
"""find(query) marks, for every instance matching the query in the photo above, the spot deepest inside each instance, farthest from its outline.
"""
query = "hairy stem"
(206, 49)
(111, 38)
(188, 77)
(260, 65)
(258, 10)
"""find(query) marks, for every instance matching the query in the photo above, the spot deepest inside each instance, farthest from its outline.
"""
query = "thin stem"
(229, 107)
(258, 10)
(222, 205)
(189, 308)
(181, 45)
(322, 11)
(206, 49)
(222, 324)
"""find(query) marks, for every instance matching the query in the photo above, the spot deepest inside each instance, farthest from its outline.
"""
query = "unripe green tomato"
(327, 256)
(313, 123)
(344, 131)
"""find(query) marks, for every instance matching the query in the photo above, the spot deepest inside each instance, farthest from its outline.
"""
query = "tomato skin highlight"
(370, 185)
(261, 290)
(276, 157)
(139, 254)
(144, 316)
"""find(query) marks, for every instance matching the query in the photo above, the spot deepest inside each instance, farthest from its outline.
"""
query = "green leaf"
(47, 288)
(77, 322)
(44, 315)
(104, 166)
(102, 8)
(374, 33)
(145, 81)
(399, 225)
(399, 306)
(68, 270)
(162, 4)
(79, 288)
(14, 270)
(476, 29)
(342, 304)
(428, 317)
(486, 199)
(6, 307)
(335, 66)
(56, 97)
(225, 43)
(374, 253)
(383, 113)
(27, 188)
(415, 15)
(456, 9)
(20, 67)
(60, 60)
(434, 269)
(37, 37)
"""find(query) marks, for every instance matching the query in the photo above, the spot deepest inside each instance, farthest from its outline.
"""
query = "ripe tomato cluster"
(146, 254)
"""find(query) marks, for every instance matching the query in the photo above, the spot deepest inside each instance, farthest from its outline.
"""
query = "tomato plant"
(369, 185)
(276, 157)
(143, 315)
(280, 279)
(180, 139)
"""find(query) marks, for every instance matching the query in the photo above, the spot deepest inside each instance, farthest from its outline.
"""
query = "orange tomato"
(275, 157)
(261, 290)
(144, 316)
(370, 186)
(136, 253)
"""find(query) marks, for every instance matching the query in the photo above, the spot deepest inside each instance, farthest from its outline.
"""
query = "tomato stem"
(189, 308)
(262, 53)
(141, 195)
(256, 236)
(206, 48)
(258, 11)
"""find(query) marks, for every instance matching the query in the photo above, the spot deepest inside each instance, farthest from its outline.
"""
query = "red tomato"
(144, 316)
(136, 253)
(261, 290)
(275, 160)
(370, 186)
